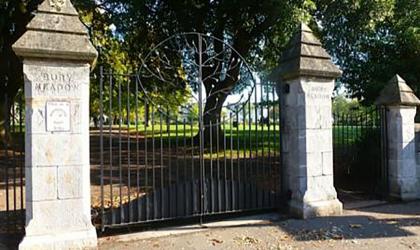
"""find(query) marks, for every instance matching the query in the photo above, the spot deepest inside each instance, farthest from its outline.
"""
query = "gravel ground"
(387, 226)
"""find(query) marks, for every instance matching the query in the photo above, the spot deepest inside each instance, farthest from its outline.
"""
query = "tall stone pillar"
(57, 58)
(307, 77)
(400, 102)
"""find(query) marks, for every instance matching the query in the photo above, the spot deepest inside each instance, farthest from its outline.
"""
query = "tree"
(14, 15)
(372, 40)
(258, 30)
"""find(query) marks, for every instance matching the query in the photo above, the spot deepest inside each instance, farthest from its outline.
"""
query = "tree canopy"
(370, 40)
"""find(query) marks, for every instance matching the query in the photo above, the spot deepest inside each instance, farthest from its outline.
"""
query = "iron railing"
(149, 163)
(359, 141)
(12, 167)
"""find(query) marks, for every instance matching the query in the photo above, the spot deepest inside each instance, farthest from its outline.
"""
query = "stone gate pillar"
(307, 77)
(400, 103)
(57, 58)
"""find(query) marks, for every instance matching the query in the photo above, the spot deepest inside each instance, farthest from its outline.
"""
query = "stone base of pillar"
(306, 210)
(404, 189)
(69, 240)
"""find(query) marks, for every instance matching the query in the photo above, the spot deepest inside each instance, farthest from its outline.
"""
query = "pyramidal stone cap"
(56, 32)
(305, 56)
(397, 92)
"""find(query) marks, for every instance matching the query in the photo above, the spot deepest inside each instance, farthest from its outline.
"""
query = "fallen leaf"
(216, 241)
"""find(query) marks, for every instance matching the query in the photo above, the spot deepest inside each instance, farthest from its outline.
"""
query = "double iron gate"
(190, 135)
(171, 143)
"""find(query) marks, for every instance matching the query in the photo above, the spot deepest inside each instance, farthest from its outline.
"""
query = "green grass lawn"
(254, 137)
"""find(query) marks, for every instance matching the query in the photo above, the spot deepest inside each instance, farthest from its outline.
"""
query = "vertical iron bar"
(211, 167)
(250, 163)
(219, 191)
(273, 173)
(194, 198)
(225, 163)
(22, 160)
(111, 121)
(101, 142)
(200, 123)
(232, 189)
(176, 186)
(136, 96)
(146, 162)
(256, 165)
(245, 165)
(168, 130)
(262, 175)
(154, 165)
(130, 205)
(184, 177)
(280, 141)
(162, 200)
(6, 148)
(120, 150)
(238, 156)
(13, 132)
(270, 134)
(343, 140)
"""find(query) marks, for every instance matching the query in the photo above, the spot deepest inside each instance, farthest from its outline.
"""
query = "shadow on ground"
(373, 222)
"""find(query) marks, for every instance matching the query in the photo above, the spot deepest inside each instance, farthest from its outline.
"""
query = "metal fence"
(152, 164)
(12, 167)
(359, 142)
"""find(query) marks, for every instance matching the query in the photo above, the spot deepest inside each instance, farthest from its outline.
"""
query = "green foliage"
(372, 40)
(342, 105)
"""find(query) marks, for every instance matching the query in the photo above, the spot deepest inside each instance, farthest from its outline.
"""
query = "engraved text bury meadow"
(55, 84)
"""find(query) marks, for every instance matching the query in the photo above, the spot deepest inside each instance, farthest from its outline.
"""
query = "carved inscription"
(319, 93)
(57, 4)
(58, 116)
(55, 84)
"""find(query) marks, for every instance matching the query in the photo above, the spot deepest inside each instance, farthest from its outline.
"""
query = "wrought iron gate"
(12, 167)
(191, 134)
(360, 151)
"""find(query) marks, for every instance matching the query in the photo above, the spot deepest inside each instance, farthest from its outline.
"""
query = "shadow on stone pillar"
(308, 77)
(57, 58)
(401, 104)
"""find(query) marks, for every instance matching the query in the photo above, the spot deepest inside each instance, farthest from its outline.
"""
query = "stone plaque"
(58, 116)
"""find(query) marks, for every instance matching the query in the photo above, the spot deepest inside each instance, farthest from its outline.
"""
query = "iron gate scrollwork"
(192, 133)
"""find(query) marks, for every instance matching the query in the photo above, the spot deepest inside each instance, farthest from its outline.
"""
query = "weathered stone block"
(306, 210)
(402, 150)
(56, 149)
(44, 183)
(57, 216)
(56, 79)
(327, 163)
(314, 164)
(70, 182)
(404, 188)
(85, 239)
(318, 140)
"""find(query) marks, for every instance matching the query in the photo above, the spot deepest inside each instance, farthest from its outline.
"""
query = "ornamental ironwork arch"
(209, 71)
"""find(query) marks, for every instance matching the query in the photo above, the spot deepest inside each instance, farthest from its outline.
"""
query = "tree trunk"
(147, 114)
(212, 120)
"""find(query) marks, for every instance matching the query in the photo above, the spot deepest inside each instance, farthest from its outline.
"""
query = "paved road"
(387, 226)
